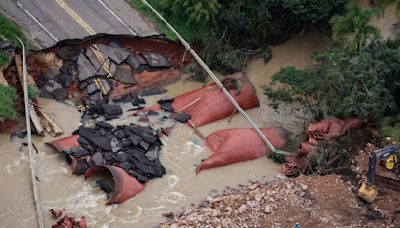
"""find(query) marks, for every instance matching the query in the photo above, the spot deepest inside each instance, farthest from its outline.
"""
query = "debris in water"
(104, 187)
(56, 213)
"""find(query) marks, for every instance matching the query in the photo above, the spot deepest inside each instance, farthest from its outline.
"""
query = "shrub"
(7, 102)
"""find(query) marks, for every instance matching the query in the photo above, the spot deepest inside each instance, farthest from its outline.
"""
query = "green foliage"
(196, 12)
(382, 4)
(10, 31)
(352, 86)
(3, 59)
(137, 4)
(291, 86)
(356, 23)
(347, 84)
(390, 127)
(33, 91)
(387, 65)
(7, 102)
(314, 11)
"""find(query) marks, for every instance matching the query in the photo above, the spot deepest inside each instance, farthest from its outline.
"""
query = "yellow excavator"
(388, 157)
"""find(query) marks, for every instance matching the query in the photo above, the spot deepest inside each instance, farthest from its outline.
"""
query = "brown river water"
(180, 187)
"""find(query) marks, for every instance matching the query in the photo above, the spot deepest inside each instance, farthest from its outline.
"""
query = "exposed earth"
(310, 201)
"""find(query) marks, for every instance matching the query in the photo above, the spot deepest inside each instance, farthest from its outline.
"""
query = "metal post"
(28, 129)
(212, 75)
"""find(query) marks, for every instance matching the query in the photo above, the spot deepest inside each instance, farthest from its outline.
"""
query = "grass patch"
(137, 4)
(8, 97)
(10, 31)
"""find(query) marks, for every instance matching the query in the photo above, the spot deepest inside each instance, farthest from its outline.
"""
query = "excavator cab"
(389, 158)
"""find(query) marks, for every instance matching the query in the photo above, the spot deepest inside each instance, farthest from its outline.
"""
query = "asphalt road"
(48, 21)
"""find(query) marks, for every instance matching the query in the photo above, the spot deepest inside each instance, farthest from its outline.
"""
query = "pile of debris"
(133, 148)
(308, 201)
(67, 221)
(88, 75)
(322, 148)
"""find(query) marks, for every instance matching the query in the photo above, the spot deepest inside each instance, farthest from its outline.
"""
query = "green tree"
(382, 4)
(300, 89)
(352, 86)
(197, 12)
(314, 11)
(355, 22)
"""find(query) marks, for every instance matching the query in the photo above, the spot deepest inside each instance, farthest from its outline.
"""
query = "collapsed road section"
(98, 72)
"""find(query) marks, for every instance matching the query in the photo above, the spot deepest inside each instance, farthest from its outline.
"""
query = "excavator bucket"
(367, 193)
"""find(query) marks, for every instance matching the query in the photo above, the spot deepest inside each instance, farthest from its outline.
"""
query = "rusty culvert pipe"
(230, 146)
(125, 186)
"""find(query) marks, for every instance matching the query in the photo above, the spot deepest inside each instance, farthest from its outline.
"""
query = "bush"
(347, 84)
(291, 86)
(352, 86)
(33, 91)
(7, 102)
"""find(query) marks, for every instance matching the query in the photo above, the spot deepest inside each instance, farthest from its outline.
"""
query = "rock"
(268, 209)
(254, 186)
(97, 159)
(258, 197)
(242, 208)
(60, 93)
(304, 187)
(214, 212)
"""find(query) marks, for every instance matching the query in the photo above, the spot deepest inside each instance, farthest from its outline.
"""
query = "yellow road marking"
(91, 31)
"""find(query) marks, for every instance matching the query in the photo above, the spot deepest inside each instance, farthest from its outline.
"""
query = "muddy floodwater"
(180, 187)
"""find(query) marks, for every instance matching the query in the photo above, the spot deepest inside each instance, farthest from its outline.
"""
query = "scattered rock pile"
(309, 201)
(133, 148)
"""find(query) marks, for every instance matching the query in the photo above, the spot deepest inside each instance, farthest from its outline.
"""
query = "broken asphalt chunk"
(124, 74)
(85, 68)
(97, 159)
(183, 117)
(68, 53)
(81, 166)
(93, 58)
(118, 55)
(79, 152)
(135, 61)
(95, 138)
(156, 60)
(103, 186)
(59, 94)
